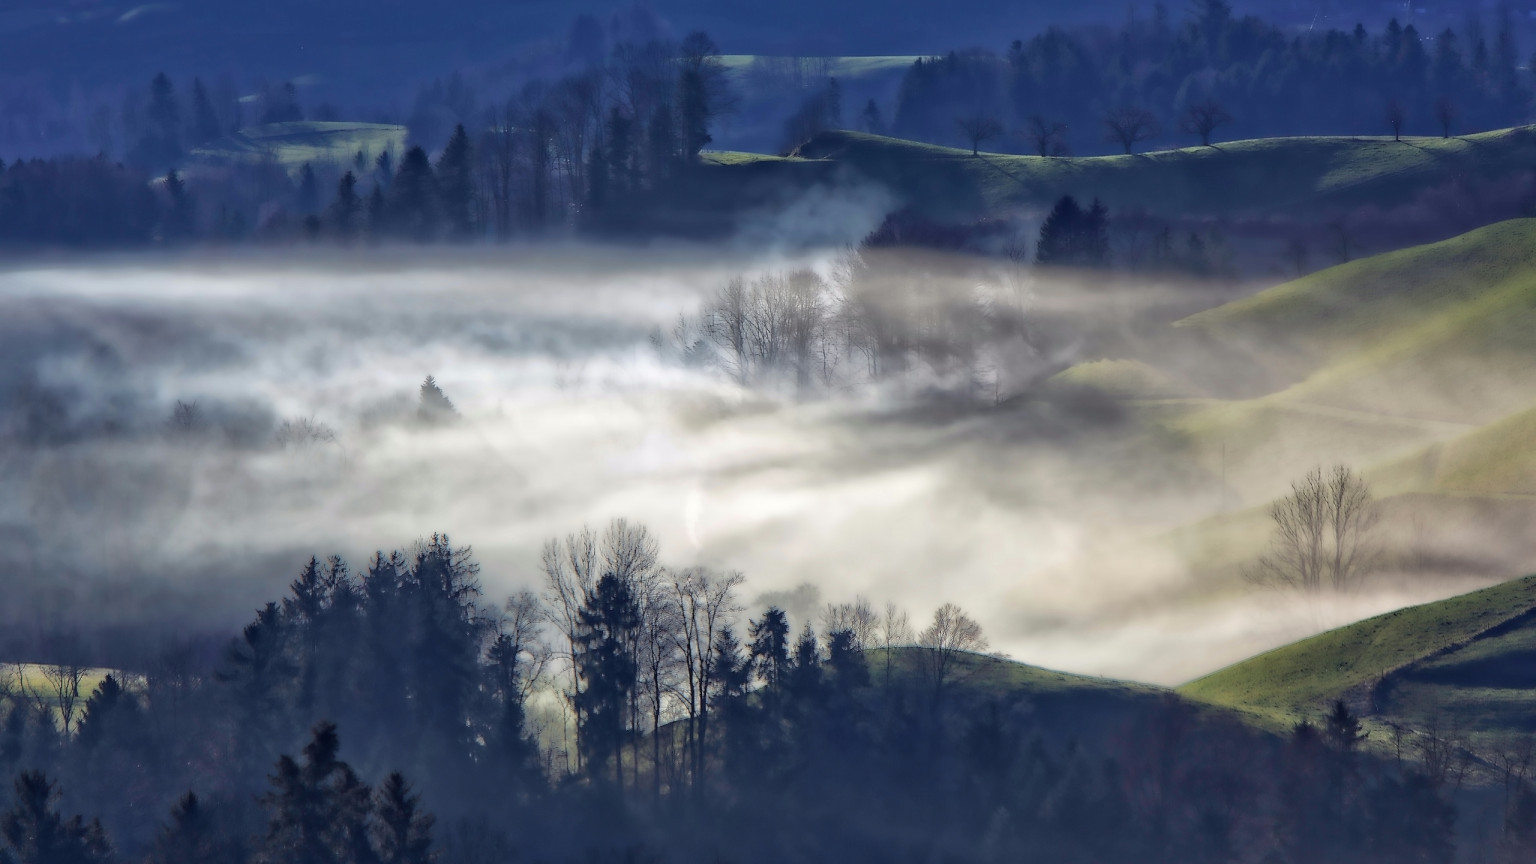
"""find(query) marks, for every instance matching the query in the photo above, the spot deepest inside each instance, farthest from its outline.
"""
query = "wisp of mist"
(120, 513)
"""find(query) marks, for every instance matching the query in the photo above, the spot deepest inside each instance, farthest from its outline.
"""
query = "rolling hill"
(1467, 663)
(291, 145)
(1266, 177)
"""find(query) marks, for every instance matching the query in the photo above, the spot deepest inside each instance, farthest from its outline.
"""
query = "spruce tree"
(606, 665)
(205, 120)
(456, 185)
(347, 207)
(34, 833)
(413, 204)
(402, 833)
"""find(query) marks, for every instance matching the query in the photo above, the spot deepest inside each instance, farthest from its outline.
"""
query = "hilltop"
(1463, 662)
(1269, 177)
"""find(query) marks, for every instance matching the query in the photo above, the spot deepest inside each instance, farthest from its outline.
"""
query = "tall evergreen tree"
(413, 204)
(205, 125)
(317, 808)
(456, 185)
(34, 833)
(770, 648)
(606, 664)
(402, 833)
(347, 208)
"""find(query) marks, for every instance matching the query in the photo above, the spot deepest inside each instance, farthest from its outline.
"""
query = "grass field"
(291, 145)
(1298, 681)
(1270, 176)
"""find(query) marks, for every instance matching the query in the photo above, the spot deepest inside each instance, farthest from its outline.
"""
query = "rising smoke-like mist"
(297, 433)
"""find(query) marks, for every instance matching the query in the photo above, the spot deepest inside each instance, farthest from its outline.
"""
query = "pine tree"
(402, 833)
(770, 647)
(606, 665)
(194, 837)
(318, 808)
(205, 120)
(435, 406)
(180, 218)
(378, 212)
(34, 833)
(413, 205)
(347, 207)
(309, 190)
(455, 184)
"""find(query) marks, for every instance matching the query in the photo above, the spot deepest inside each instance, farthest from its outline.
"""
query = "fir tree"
(456, 186)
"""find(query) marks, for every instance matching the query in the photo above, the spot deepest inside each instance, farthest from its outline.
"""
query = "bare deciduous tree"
(1045, 137)
(1446, 112)
(63, 681)
(706, 601)
(1203, 118)
(951, 634)
(895, 631)
(978, 130)
(1130, 126)
(1396, 116)
(1322, 533)
(858, 618)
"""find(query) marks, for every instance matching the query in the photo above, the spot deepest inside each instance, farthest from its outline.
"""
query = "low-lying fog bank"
(581, 398)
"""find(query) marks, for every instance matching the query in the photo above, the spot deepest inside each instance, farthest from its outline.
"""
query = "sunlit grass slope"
(1271, 175)
(1374, 361)
(291, 145)
(1298, 681)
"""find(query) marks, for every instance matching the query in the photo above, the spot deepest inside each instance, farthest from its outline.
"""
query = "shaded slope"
(1264, 177)
(1300, 679)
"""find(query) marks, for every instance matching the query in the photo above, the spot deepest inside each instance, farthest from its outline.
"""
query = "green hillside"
(1368, 362)
(1272, 176)
(291, 145)
(1450, 657)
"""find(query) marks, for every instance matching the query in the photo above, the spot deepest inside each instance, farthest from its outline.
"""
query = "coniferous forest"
(393, 713)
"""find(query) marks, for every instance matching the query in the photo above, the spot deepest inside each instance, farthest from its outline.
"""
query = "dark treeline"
(392, 715)
(1183, 82)
(577, 153)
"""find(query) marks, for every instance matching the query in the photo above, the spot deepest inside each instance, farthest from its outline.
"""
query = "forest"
(627, 712)
(1161, 82)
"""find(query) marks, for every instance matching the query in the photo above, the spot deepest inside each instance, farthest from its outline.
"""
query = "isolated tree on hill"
(1396, 115)
(1343, 728)
(1446, 113)
(951, 634)
(1203, 118)
(1045, 137)
(34, 833)
(1130, 126)
(978, 130)
(1322, 535)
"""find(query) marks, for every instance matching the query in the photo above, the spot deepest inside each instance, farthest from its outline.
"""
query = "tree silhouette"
(979, 129)
(35, 833)
(434, 405)
(1130, 126)
(1203, 118)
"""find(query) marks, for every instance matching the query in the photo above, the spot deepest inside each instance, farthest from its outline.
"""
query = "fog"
(1039, 514)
